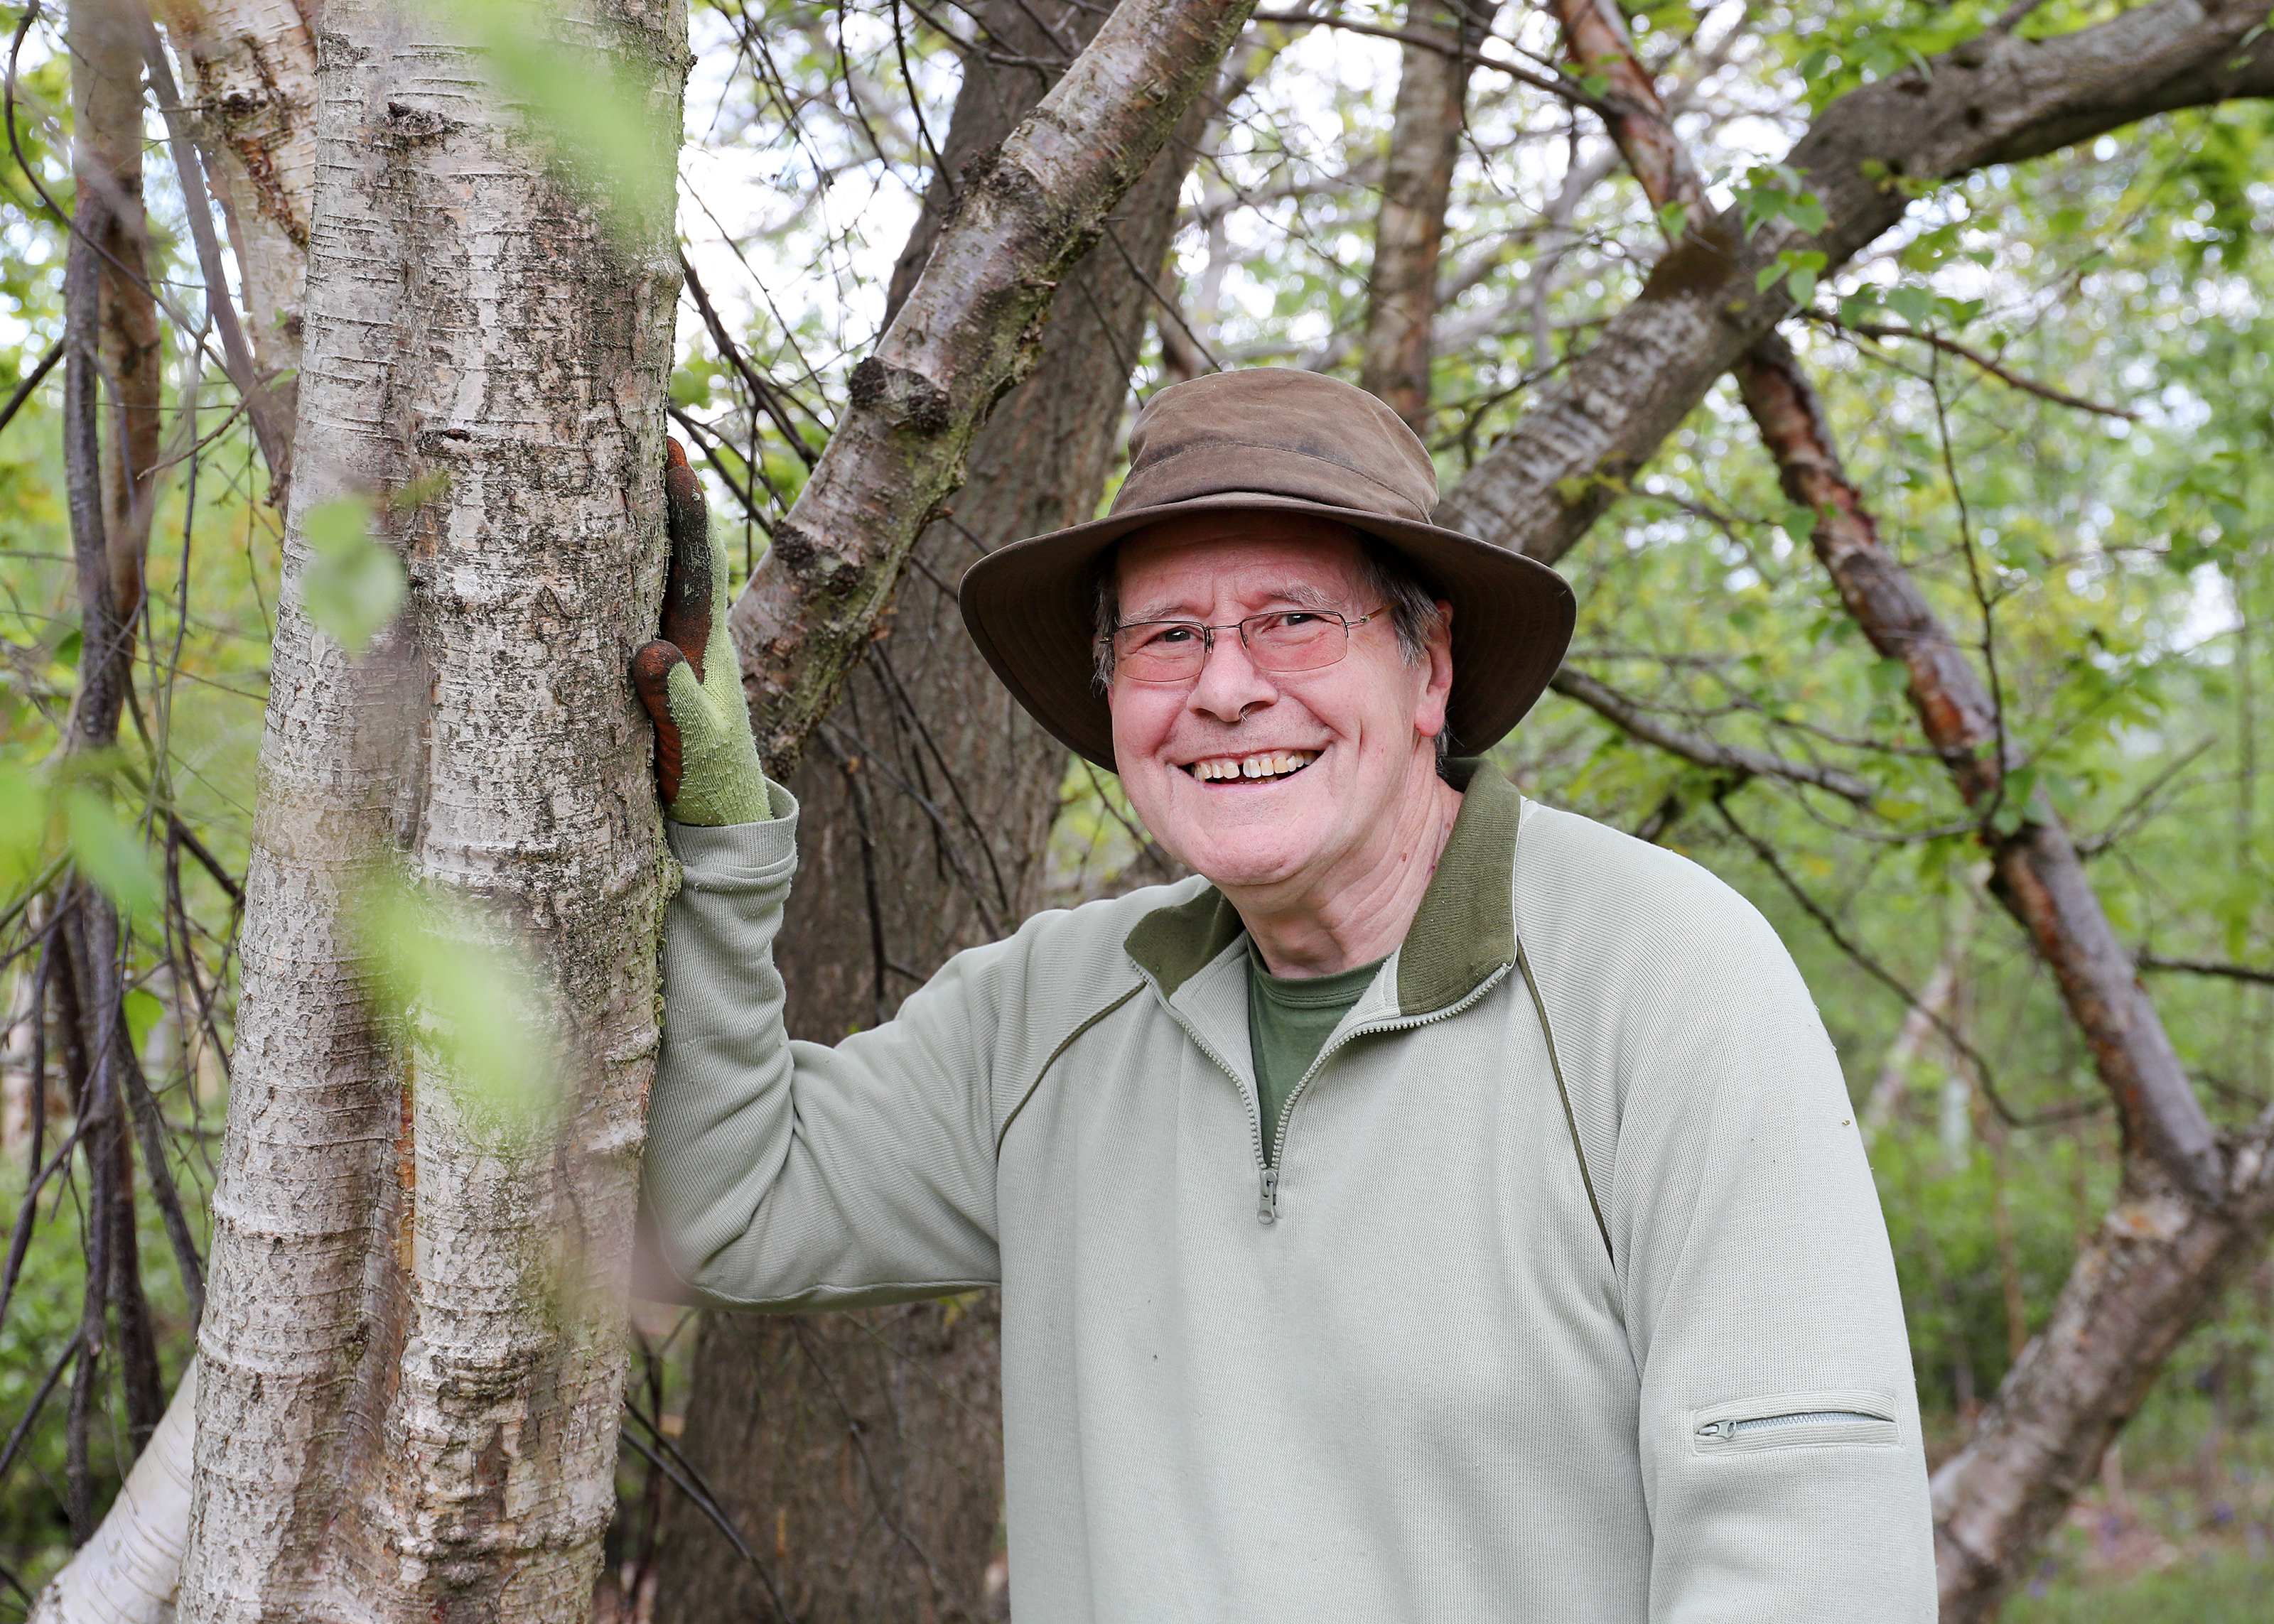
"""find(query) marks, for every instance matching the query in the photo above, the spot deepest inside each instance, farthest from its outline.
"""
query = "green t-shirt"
(1288, 1020)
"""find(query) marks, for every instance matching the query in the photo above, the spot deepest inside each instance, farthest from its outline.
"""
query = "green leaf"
(1915, 306)
(1673, 220)
(144, 1010)
(351, 586)
(23, 824)
(108, 853)
(449, 976)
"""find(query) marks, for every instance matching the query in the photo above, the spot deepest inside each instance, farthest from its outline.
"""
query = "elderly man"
(1444, 1208)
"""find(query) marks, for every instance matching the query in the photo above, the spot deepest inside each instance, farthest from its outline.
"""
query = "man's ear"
(1429, 714)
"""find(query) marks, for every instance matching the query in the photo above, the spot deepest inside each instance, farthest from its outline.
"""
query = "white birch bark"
(126, 1574)
(412, 1354)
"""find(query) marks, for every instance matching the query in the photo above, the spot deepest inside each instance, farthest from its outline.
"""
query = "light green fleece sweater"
(1436, 1366)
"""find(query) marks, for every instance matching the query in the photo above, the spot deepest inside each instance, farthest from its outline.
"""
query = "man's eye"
(1170, 637)
(1295, 618)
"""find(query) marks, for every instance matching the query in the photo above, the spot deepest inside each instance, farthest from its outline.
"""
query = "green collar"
(1464, 931)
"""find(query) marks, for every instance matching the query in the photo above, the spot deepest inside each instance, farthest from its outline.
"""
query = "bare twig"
(1973, 357)
(1632, 718)
(2207, 966)
(32, 380)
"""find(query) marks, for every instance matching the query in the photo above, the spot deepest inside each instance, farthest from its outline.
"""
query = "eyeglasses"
(1282, 641)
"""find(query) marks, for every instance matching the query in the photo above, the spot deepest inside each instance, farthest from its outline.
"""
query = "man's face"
(1339, 748)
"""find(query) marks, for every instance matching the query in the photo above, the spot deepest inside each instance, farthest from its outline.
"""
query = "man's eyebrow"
(1303, 594)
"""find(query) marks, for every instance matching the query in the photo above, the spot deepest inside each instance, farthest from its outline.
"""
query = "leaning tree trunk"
(1409, 233)
(861, 1453)
(251, 83)
(411, 1355)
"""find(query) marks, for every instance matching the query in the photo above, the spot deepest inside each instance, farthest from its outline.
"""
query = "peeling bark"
(411, 1359)
(252, 87)
(971, 327)
(1409, 234)
(1995, 99)
(2188, 1218)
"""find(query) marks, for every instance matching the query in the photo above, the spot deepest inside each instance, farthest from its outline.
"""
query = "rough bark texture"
(2154, 1269)
(251, 82)
(1992, 100)
(2188, 1220)
(1416, 179)
(970, 328)
(412, 1358)
(860, 1453)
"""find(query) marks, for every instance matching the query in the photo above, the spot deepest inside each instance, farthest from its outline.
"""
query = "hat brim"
(1031, 608)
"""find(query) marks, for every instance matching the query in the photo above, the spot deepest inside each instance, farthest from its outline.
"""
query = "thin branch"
(31, 382)
(1632, 718)
(764, 392)
(1886, 978)
(1974, 357)
(1568, 90)
(690, 1482)
(2207, 966)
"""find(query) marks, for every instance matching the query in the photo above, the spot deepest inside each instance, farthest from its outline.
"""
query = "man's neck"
(1339, 922)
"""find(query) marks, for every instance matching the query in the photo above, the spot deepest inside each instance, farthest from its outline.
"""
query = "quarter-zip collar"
(1463, 935)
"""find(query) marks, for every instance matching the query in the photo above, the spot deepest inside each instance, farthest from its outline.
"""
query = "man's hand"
(706, 759)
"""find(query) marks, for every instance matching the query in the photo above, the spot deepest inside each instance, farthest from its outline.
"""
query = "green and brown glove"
(706, 758)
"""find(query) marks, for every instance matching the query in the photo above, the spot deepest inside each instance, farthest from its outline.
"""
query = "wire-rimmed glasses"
(1278, 641)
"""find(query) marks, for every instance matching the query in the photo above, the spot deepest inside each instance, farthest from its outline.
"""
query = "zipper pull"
(1723, 1430)
(1266, 1207)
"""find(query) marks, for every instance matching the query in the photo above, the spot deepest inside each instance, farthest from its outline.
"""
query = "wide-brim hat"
(1272, 439)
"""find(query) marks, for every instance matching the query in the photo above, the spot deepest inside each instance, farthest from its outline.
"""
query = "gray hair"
(1385, 577)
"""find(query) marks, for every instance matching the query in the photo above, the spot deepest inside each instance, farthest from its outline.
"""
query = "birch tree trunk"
(412, 1358)
(1424, 138)
(860, 1453)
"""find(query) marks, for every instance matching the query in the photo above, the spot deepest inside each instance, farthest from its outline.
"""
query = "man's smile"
(1264, 765)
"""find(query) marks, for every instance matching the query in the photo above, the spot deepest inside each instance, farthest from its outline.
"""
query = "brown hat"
(1284, 440)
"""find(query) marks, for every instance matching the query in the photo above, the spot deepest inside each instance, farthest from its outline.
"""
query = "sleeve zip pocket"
(1846, 1418)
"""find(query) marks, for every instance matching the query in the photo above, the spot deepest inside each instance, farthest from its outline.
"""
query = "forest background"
(2053, 387)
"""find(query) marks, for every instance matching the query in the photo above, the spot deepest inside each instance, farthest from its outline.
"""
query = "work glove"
(706, 758)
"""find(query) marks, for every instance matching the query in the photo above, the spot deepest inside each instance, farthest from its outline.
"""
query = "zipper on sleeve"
(1806, 1419)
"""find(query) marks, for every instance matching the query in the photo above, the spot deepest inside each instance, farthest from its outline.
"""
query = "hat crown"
(1277, 431)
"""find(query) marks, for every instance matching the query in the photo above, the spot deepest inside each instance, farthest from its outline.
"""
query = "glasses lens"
(1160, 651)
(1295, 641)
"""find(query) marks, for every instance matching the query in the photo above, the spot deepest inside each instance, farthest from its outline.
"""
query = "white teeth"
(1267, 764)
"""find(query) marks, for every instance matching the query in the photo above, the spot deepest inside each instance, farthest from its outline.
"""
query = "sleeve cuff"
(739, 845)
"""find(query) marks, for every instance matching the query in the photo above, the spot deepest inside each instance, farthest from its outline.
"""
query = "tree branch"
(1994, 99)
(970, 329)
(1631, 719)
(1974, 357)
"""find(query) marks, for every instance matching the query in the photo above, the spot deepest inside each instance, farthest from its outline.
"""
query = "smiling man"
(1441, 1208)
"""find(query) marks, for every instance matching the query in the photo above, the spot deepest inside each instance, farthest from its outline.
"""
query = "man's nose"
(1229, 685)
